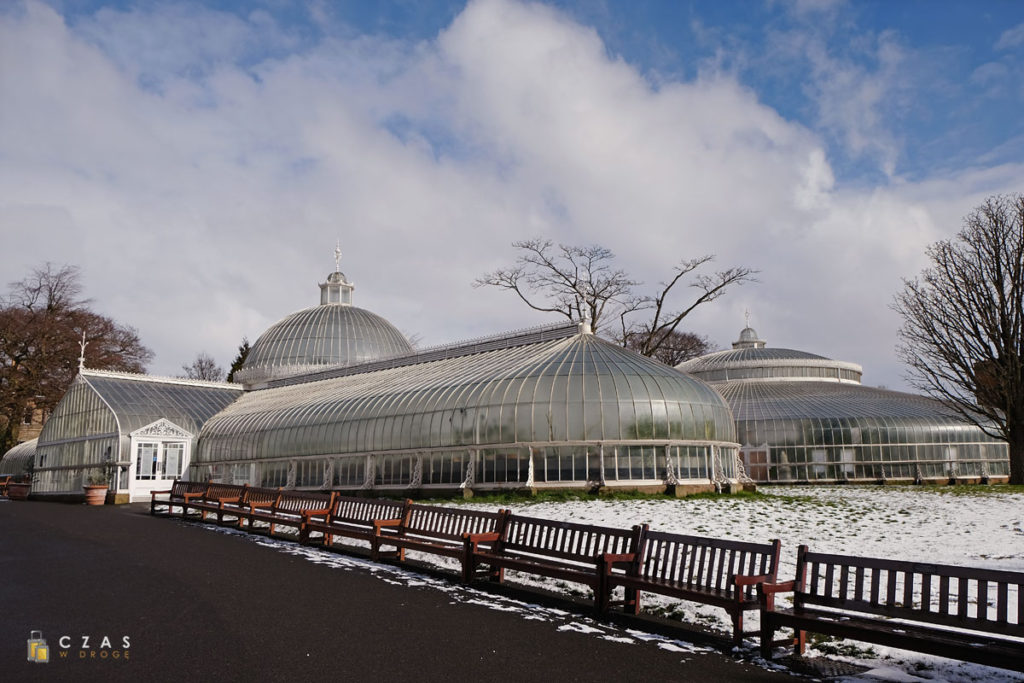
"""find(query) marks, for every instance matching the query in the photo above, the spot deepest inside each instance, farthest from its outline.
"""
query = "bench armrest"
(773, 588)
(154, 494)
(378, 523)
(743, 580)
(476, 539)
(190, 496)
(610, 560)
(316, 512)
(228, 499)
(267, 504)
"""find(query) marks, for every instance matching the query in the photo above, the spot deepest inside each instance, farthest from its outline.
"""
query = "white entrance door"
(159, 455)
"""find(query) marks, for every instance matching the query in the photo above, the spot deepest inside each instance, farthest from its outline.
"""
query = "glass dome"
(16, 461)
(331, 334)
(804, 417)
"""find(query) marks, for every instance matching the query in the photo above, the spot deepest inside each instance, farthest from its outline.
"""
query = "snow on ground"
(971, 526)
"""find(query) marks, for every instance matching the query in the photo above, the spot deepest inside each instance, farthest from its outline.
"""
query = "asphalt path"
(192, 604)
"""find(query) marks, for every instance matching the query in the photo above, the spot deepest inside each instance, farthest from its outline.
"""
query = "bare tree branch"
(204, 367)
(578, 282)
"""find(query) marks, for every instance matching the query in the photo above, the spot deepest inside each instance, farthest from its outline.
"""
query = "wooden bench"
(289, 508)
(439, 530)
(958, 612)
(240, 508)
(711, 571)
(562, 550)
(4, 481)
(176, 495)
(353, 517)
(213, 499)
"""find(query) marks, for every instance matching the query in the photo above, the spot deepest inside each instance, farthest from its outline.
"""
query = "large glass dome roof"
(556, 390)
(335, 333)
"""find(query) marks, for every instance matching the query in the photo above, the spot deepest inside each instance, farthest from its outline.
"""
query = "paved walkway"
(218, 607)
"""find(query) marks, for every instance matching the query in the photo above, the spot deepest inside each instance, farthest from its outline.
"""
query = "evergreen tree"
(239, 361)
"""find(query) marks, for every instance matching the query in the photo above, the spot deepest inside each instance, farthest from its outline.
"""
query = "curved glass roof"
(333, 333)
(800, 400)
(795, 400)
(532, 389)
(15, 461)
(101, 402)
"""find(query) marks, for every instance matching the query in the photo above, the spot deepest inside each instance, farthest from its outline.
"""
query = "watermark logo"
(38, 650)
(88, 648)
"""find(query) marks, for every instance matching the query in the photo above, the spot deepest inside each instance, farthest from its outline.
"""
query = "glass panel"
(173, 453)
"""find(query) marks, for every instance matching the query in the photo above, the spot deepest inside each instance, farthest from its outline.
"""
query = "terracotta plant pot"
(18, 491)
(95, 495)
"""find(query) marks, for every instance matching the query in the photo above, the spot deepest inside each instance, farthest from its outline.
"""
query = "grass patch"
(835, 646)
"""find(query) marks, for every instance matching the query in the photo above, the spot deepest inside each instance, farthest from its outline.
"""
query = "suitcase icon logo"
(38, 650)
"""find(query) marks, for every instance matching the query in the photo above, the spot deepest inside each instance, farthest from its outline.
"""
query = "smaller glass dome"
(748, 339)
(335, 333)
(749, 359)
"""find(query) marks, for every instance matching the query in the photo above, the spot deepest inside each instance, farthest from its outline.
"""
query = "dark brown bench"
(289, 509)
(353, 517)
(176, 495)
(213, 500)
(959, 612)
(711, 571)
(4, 481)
(562, 550)
(439, 530)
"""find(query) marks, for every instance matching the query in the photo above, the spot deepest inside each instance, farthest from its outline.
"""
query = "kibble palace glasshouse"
(334, 397)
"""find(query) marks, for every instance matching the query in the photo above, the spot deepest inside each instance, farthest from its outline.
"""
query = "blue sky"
(187, 152)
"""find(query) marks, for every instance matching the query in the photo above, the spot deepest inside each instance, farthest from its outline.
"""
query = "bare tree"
(42, 320)
(963, 323)
(653, 333)
(576, 282)
(582, 282)
(204, 367)
(676, 348)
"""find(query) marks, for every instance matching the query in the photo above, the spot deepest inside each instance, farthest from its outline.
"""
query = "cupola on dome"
(335, 333)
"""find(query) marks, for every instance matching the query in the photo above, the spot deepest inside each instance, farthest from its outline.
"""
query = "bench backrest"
(704, 562)
(978, 599)
(259, 494)
(354, 510)
(295, 502)
(449, 523)
(216, 491)
(180, 487)
(568, 541)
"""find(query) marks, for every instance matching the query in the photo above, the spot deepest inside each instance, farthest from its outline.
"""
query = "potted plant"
(96, 485)
(19, 490)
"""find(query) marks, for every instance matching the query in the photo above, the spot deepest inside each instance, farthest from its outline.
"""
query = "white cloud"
(1011, 38)
(207, 208)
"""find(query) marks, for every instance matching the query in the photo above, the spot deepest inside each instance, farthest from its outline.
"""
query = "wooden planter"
(95, 495)
(18, 491)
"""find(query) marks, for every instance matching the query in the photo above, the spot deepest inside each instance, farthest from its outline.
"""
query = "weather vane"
(81, 359)
(337, 257)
